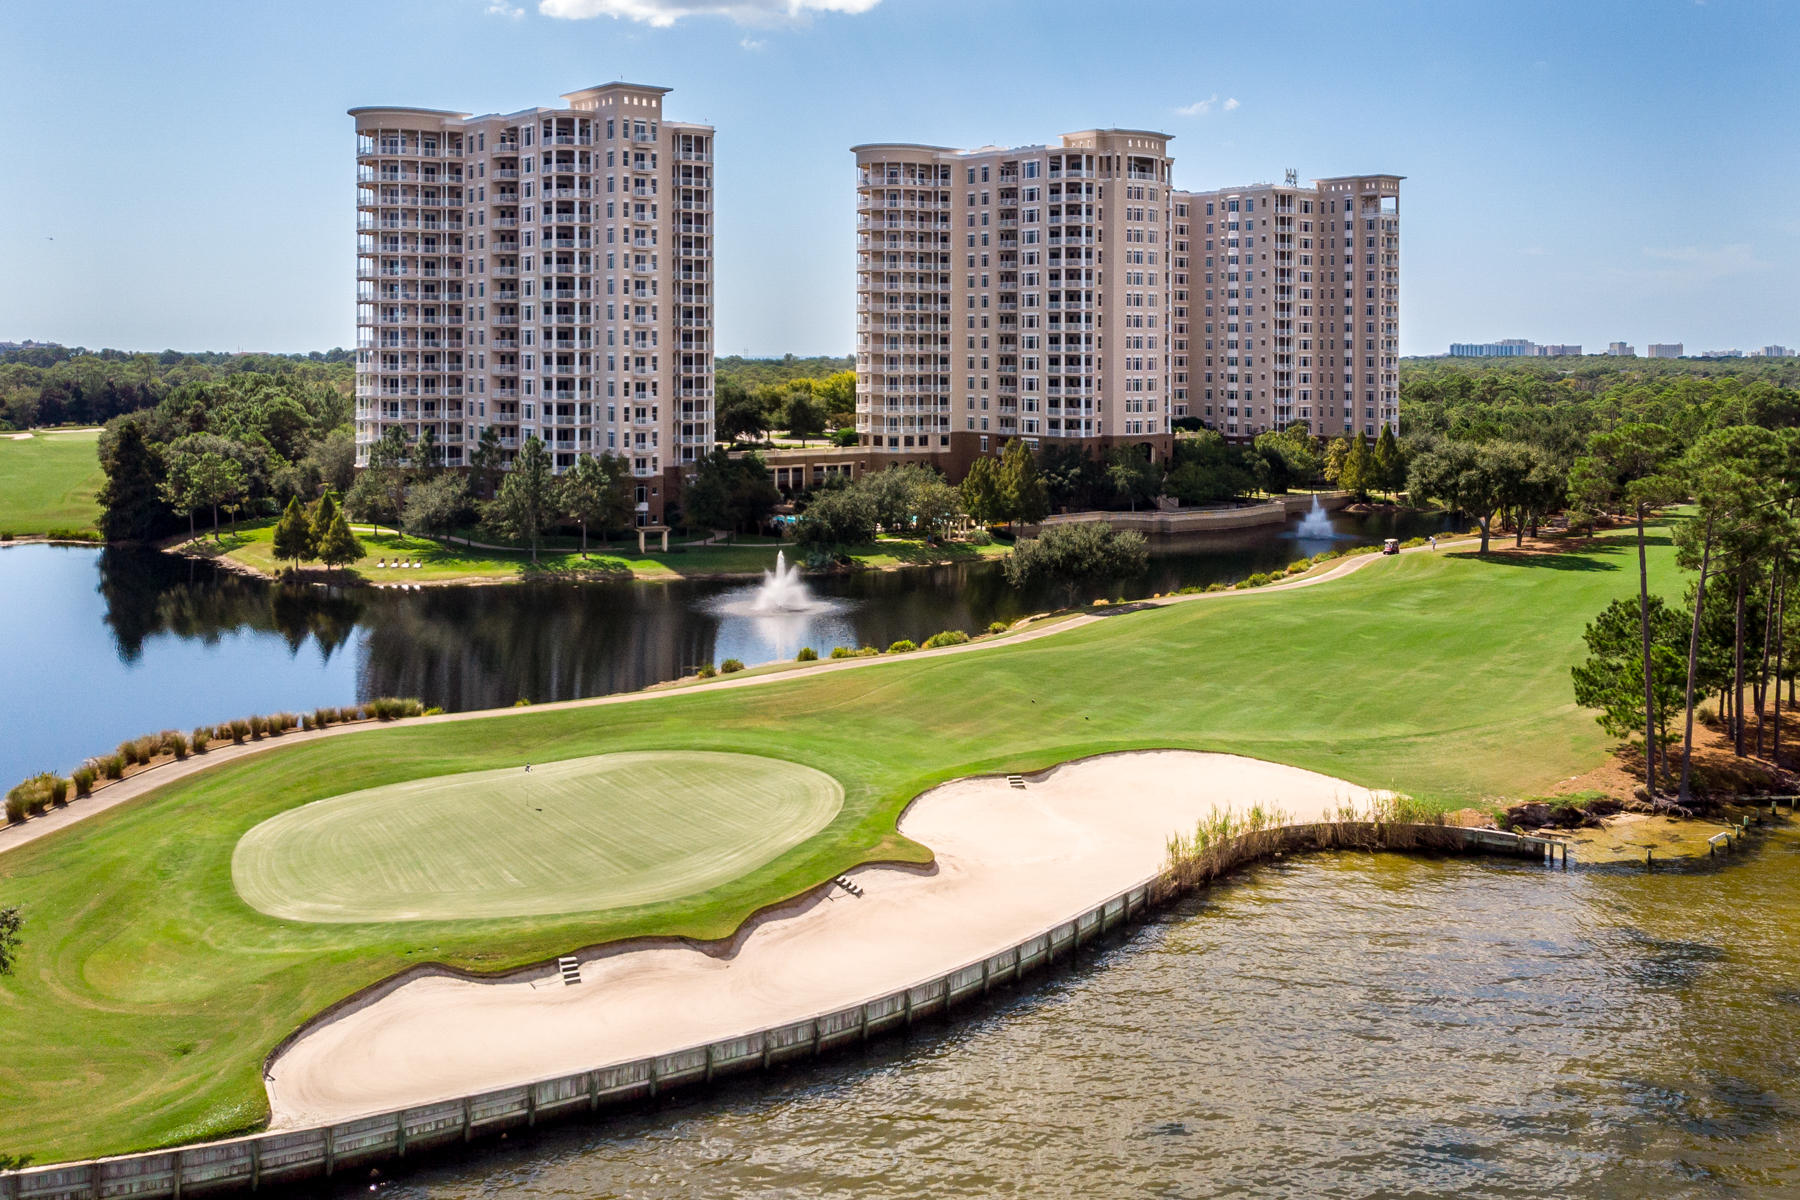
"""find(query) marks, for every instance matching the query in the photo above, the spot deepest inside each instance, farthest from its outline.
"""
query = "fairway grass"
(48, 481)
(574, 836)
(149, 993)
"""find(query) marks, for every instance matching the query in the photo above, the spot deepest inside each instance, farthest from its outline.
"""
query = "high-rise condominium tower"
(545, 272)
(1068, 294)
(1288, 306)
(1014, 293)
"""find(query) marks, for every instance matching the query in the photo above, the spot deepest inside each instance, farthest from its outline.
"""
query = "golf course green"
(149, 992)
(48, 481)
(580, 835)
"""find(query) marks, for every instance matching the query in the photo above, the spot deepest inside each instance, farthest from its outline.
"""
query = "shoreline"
(1008, 861)
(142, 782)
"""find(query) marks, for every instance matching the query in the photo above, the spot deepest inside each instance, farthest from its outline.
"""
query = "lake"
(103, 645)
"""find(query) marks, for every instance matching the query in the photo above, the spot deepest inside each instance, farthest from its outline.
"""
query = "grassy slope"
(149, 993)
(48, 481)
(253, 545)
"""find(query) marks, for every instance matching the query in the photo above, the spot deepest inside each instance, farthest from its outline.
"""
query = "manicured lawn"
(577, 835)
(48, 482)
(149, 993)
(253, 544)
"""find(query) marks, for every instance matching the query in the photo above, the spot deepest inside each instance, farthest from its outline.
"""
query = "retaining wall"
(268, 1159)
(1177, 521)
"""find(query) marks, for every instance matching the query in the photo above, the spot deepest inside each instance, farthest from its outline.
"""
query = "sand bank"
(1010, 863)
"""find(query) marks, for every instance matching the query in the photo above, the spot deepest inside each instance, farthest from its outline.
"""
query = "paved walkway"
(145, 781)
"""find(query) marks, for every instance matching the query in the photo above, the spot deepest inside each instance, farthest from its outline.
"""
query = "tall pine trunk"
(1683, 794)
(1760, 691)
(1649, 683)
(1780, 647)
(1737, 666)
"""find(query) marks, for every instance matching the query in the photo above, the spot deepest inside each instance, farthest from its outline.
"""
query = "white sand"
(1010, 863)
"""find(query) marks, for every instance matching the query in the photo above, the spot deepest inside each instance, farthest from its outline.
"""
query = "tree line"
(64, 385)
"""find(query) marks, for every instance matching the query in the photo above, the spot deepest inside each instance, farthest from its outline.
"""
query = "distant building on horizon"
(1505, 348)
(545, 272)
(1558, 350)
(1664, 350)
(1777, 351)
(1621, 350)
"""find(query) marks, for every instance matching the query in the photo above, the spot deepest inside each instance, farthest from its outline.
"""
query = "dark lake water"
(101, 645)
(1337, 1026)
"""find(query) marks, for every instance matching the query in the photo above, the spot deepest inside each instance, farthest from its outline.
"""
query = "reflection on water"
(1336, 1026)
(114, 643)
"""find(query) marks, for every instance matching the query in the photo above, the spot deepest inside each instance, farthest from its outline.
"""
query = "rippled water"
(1335, 1026)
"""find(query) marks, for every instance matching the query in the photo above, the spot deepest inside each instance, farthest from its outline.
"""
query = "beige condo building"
(984, 310)
(1068, 293)
(546, 272)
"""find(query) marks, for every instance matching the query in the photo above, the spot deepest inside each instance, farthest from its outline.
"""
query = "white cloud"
(1201, 108)
(663, 13)
(500, 8)
(752, 44)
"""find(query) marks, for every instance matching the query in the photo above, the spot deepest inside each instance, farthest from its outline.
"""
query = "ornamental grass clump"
(321, 717)
(807, 654)
(949, 637)
(83, 778)
(843, 652)
(706, 671)
(238, 730)
(35, 795)
(200, 738)
(730, 666)
(998, 627)
(128, 750)
(174, 742)
(903, 646)
(113, 766)
(259, 725)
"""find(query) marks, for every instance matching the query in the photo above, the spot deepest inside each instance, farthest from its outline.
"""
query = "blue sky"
(180, 174)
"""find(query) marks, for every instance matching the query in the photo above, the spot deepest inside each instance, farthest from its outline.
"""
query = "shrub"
(199, 738)
(980, 537)
(522, 702)
(83, 778)
(175, 742)
(950, 637)
(282, 722)
(1411, 543)
(258, 725)
(434, 710)
(36, 795)
(238, 730)
(903, 646)
(413, 708)
(1256, 580)
(128, 751)
(869, 651)
(730, 666)
(706, 671)
(998, 626)
(1101, 602)
(321, 717)
(113, 765)
(1299, 568)
(384, 708)
(807, 654)
(1215, 587)
(842, 652)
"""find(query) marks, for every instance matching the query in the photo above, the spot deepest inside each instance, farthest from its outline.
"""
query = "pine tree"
(293, 536)
(1358, 473)
(1390, 468)
(133, 504)
(323, 513)
(339, 547)
(1026, 499)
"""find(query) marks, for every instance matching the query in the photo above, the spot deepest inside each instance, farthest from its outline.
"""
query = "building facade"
(1621, 350)
(541, 273)
(1068, 294)
(1287, 306)
(1663, 350)
(984, 311)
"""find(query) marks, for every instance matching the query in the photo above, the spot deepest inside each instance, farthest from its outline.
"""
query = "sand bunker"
(1010, 863)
